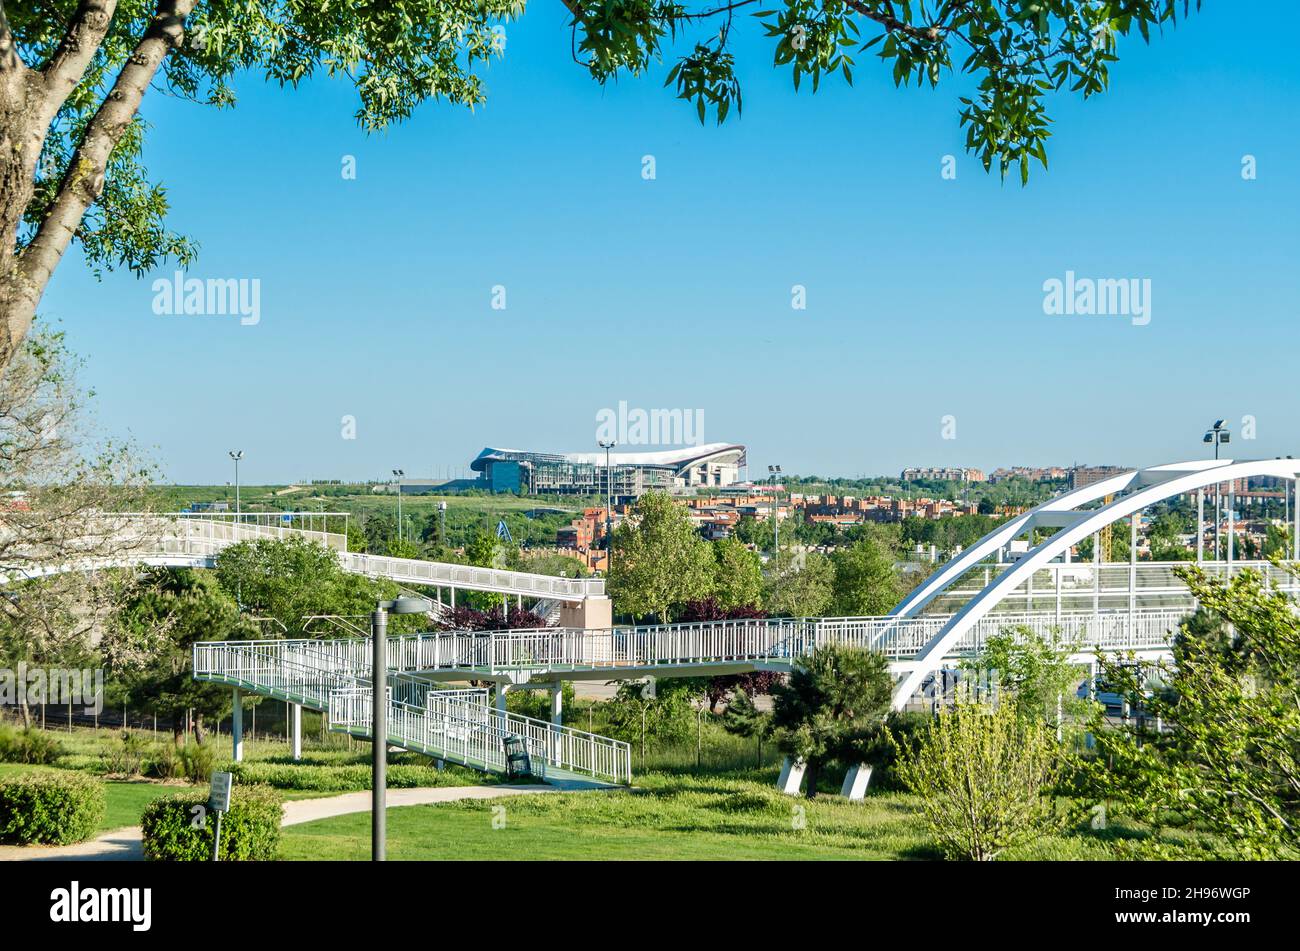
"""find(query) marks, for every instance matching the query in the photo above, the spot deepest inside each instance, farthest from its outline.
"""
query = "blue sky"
(924, 295)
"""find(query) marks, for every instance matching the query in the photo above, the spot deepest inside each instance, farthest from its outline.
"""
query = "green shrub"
(29, 745)
(52, 807)
(350, 778)
(180, 828)
(197, 761)
(163, 762)
(984, 777)
(126, 755)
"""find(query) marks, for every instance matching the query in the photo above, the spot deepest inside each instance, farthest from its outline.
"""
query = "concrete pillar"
(791, 778)
(237, 726)
(855, 782)
(295, 730)
(499, 697)
(557, 704)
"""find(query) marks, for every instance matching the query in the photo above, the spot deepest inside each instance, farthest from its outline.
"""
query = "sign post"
(219, 802)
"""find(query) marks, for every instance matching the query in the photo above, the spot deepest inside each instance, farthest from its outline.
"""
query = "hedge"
(349, 778)
(174, 831)
(51, 807)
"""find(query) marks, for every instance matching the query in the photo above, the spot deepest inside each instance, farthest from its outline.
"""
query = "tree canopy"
(73, 74)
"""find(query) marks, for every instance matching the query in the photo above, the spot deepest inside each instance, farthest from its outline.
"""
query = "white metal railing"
(471, 577)
(449, 723)
(761, 640)
(454, 726)
(1077, 586)
(197, 538)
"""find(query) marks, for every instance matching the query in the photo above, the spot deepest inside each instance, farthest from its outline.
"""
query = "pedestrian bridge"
(183, 540)
(452, 725)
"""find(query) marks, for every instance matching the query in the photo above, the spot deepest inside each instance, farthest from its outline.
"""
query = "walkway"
(124, 845)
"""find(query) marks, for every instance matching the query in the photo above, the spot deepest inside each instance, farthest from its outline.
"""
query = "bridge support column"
(499, 697)
(295, 730)
(557, 703)
(855, 782)
(791, 778)
(237, 726)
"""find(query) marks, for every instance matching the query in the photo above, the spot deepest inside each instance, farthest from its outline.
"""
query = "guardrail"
(758, 641)
(448, 723)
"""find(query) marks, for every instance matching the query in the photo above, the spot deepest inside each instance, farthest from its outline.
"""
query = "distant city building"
(1032, 473)
(1087, 475)
(630, 474)
(942, 474)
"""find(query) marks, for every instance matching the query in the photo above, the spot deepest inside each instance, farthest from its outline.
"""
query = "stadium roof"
(676, 459)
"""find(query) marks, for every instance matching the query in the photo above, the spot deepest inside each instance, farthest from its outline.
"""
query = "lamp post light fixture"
(236, 455)
(772, 473)
(1217, 434)
(607, 445)
(379, 714)
(397, 482)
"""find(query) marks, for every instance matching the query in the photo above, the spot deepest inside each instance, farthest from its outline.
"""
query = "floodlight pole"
(607, 445)
(236, 455)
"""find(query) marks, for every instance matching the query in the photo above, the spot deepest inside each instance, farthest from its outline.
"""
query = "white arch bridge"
(995, 585)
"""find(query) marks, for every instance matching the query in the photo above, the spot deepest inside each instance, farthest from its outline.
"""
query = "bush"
(180, 829)
(351, 778)
(29, 745)
(196, 761)
(126, 756)
(164, 762)
(49, 807)
(985, 778)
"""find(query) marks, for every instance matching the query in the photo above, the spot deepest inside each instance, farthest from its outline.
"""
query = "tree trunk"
(30, 99)
(19, 151)
(810, 777)
(198, 728)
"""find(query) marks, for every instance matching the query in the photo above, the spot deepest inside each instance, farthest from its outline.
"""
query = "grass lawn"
(668, 817)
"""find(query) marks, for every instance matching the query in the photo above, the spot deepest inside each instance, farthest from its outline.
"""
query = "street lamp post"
(236, 455)
(607, 445)
(772, 473)
(397, 476)
(379, 715)
(1217, 434)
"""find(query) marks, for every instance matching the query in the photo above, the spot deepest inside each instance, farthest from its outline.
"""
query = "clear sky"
(924, 295)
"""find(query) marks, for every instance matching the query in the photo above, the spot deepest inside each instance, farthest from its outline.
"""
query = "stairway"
(455, 725)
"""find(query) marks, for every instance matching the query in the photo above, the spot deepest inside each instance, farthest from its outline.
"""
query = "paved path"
(124, 844)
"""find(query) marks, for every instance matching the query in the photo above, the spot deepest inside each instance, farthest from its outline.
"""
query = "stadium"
(630, 474)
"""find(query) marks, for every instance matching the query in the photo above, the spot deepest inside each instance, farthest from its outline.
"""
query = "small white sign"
(219, 796)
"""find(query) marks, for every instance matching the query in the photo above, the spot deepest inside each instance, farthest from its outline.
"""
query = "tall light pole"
(379, 715)
(397, 476)
(1217, 434)
(772, 473)
(236, 454)
(607, 445)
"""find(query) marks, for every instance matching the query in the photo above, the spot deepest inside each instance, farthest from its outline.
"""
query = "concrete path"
(124, 844)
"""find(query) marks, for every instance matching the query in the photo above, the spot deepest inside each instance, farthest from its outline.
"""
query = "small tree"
(659, 560)
(1230, 756)
(800, 589)
(832, 708)
(866, 582)
(984, 777)
(738, 575)
(1036, 672)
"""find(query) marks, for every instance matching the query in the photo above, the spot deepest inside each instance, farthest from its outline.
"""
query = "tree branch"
(86, 30)
(84, 179)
